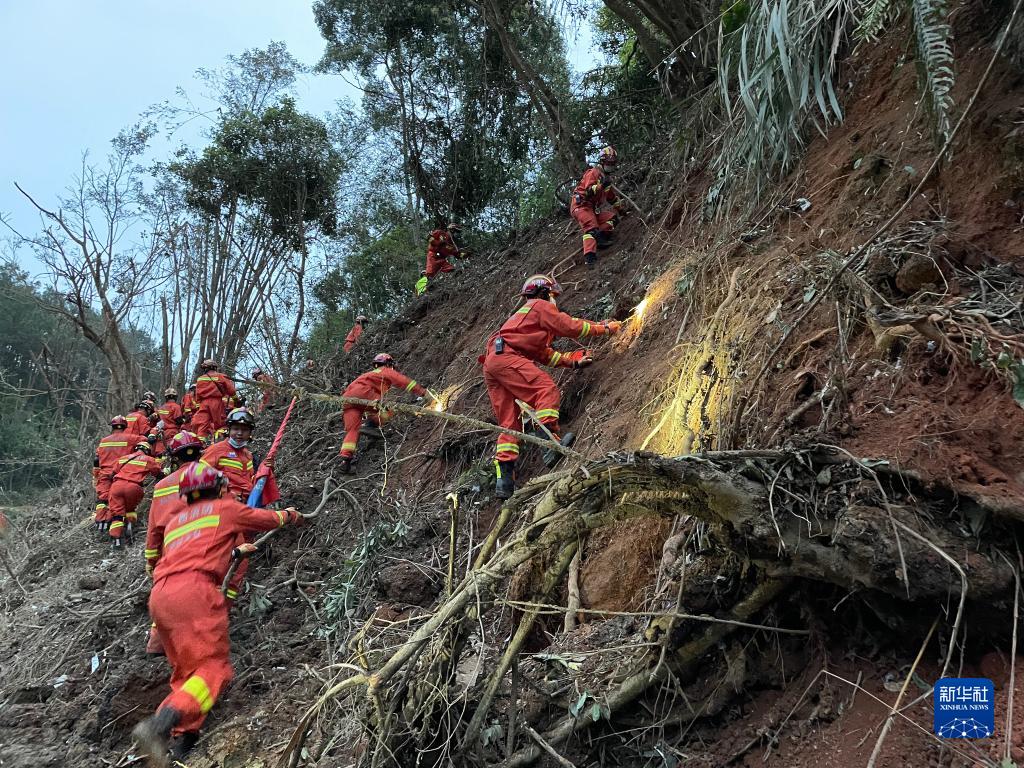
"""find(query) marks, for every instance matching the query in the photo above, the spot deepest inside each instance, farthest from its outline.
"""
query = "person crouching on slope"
(593, 191)
(126, 489)
(187, 604)
(372, 385)
(511, 369)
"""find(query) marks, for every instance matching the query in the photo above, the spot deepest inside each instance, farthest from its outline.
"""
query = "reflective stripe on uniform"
(151, 553)
(233, 463)
(209, 521)
(589, 236)
(586, 329)
(170, 490)
(547, 413)
(231, 594)
(523, 310)
(556, 357)
(280, 518)
(114, 444)
(348, 446)
(410, 386)
(137, 462)
(116, 525)
(197, 688)
(509, 447)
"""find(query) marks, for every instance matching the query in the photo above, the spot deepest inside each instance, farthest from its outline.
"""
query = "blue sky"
(77, 71)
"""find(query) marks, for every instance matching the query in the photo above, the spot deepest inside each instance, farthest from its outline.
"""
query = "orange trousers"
(103, 498)
(124, 498)
(437, 264)
(353, 418)
(209, 418)
(193, 620)
(510, 377)
(590, 221)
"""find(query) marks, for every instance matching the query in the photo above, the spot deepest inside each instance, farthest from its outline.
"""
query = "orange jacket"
(166, 504)
(214, 385)
(441, 245)
(200, 537)
(353, 337)
(189, 405)
(111, 448)
(135, 467)
(169, 414)
(138, 423)
(593, 190)
(372, 385)
(530, 331)
(235, 463)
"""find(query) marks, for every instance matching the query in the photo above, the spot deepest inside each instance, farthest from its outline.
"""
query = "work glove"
(612, 326)
(149, 569)
(581, 358)
(244, 550)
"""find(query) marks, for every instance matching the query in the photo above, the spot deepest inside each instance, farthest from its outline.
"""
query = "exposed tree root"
(791, 515)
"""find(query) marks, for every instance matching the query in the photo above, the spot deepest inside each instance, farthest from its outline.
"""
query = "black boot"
(371, 430)
(153, 733)
(182, 745)
(129, 534)
(505, 483)
(346, 465)
(117, 544)
(551, 456)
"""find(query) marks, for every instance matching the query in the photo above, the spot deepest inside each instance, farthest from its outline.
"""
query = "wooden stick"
(549, 749)
(573, 602)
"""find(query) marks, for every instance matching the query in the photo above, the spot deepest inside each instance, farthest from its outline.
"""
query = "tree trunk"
(654, 49)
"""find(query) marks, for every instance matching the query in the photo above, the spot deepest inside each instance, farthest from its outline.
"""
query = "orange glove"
(581, 358)
(612, 326)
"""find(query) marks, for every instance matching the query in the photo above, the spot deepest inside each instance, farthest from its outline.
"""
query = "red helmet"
(608, 157)
(199, 477)
(119, 422)
(182, 442)
(535, 285)
(384, 359)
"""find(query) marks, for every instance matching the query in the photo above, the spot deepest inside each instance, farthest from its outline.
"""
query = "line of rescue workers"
(198, 453)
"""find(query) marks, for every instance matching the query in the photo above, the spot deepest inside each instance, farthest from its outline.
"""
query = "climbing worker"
(510, 369)
(170, 413)
(213, 389)
(232, 456)
(262, 377)
(357, 330)
(372, 385)
(421, 284)
(126, 490)
(183, 449)
(592, 192)
(138, 420)
(441, 247)
(189, 403)
(111, 448)
(187, 605)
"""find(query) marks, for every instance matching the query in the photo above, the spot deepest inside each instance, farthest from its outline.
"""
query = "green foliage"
(281, 162)
(874, 16)
(935, 61)
(734, 15)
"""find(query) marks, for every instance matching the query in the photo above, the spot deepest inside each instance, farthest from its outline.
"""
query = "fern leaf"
(935, 58)
(874, 15)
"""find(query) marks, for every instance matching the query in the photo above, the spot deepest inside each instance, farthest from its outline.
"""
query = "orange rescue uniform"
(138, 423)
(514, 374)
(440, 247)
(169, 413)
(186, 602)
(590, 194)
(267, 396)
(189, 405)
(213, 390)
(235, 463)
(126, 489)
(371, 385)
(111, 448)
(353, 337)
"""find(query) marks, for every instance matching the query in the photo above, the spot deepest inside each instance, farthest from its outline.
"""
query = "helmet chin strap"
(237, 443)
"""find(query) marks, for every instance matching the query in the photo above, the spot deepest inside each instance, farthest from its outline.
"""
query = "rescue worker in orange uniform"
(171, 414)
(126, 490)
(189, 403)
(441, 247)
(372, 385)
(183, 449)
(187, 604)
(213, 390)
(138, 420)
(262, 377)
(231, 456)
(357, 330)
(511, 369)
(592, 192)
(111, 448)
